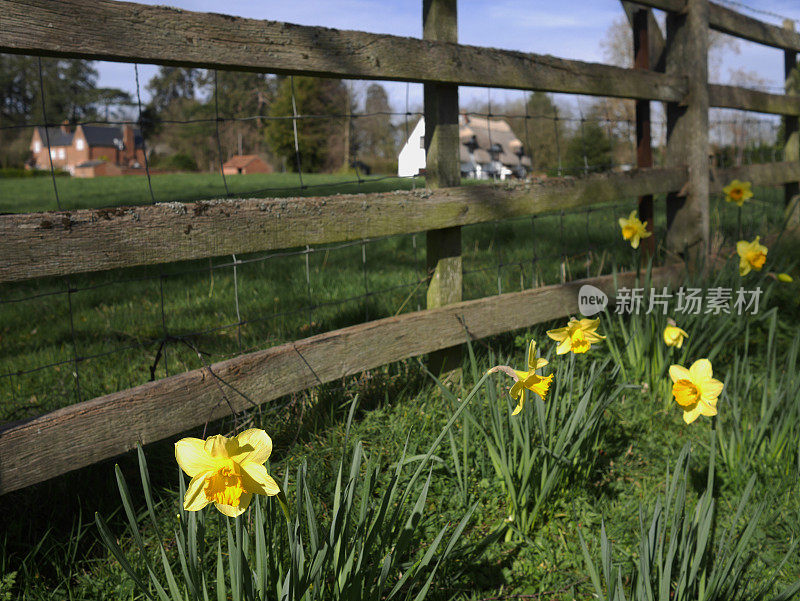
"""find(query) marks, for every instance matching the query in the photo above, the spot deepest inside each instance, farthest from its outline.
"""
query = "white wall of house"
(412, 156)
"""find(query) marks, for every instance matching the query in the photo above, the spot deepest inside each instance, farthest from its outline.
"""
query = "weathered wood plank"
(687, 132)
(442, 170)
(655, 39)
(642, 21)
(734, 23)
(734, 97)
(88, 432)
(791, 128)
(56, 243)
(123, 31)
(760, 174)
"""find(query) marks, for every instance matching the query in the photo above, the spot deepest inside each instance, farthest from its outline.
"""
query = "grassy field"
(30, 194)
(633, 437)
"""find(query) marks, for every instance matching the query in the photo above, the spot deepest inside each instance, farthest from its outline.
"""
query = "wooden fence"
(671, 70)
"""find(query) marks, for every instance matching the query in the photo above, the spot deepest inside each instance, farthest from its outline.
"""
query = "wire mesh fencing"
(73, 338)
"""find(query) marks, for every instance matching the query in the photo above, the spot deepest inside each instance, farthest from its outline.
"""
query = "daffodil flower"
(527, 379)
(226, 471)
(577, 336)
(633, 229)
(695, 390)
(737, 192)
(752, 255)
(674, 336)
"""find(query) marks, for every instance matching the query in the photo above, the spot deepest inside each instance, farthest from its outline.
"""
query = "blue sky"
(568, 29)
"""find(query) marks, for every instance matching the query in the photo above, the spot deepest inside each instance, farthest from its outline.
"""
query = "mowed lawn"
(30, 194)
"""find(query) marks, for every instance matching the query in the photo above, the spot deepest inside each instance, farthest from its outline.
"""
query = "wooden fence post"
(687, 133)
(791, 132)
(644, 150)
(443, 169)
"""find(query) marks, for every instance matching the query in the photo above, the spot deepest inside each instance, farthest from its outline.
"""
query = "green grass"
(30, 194)
(641, 435)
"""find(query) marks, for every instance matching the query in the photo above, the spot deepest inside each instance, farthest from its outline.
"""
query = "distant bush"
(175, 162)
(20, 172)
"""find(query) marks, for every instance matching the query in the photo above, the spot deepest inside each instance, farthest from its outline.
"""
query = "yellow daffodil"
(752, 255)
(785, 277)
(226, 471)
(527, 379)
(578, 336)
(695, 390)
(633, 229)
(737, 192)
(674, 336)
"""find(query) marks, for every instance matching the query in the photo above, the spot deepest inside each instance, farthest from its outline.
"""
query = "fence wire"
(83, 336)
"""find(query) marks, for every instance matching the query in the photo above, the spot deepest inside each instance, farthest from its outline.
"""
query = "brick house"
(119, 146)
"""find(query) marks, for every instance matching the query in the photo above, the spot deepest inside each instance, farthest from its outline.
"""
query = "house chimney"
(65, 129)
(129, 141)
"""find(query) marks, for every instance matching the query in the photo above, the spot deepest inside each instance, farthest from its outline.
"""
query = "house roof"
(486, 133)
(54, 136)
(104, 135)
(241, 160)
(96, 135)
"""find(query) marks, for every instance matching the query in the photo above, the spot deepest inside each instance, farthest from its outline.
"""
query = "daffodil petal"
(253, 445)
(690, 416)
(192, 457)
(564, 347)
(532, 355)
(217, 446)
(195, 498)
(706, 409)
(540, 363)
(593, 337)
(519, 405)
(742, 246)
(678, 372)
(516, 390)
(255, 479)
(558, 334)
(701, 371)
(711, 390)
(522, 375)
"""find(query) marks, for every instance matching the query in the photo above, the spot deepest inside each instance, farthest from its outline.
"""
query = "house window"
(37, 147)
(79, 144)
(60, 153)
(52, 153)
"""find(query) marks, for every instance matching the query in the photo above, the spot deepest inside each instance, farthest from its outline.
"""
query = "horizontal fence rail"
(729, 21)
(88, 432)
(65, 242)
(726, 20)
(734, 97)
(41, 244)
(154, 34)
